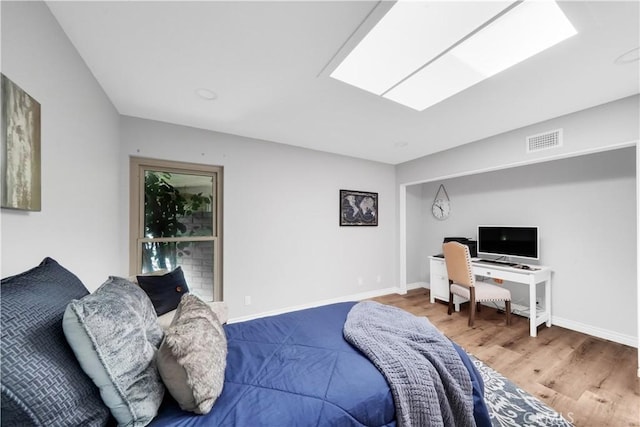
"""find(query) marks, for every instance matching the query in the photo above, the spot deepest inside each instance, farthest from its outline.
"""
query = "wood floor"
(590, 381)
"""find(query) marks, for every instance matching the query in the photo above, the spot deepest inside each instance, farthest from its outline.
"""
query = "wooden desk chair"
(462, 282)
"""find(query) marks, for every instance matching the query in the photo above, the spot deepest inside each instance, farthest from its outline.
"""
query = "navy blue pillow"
(42, 382)
(164, 291)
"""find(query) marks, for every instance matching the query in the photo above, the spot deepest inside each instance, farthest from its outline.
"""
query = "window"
(176, 220)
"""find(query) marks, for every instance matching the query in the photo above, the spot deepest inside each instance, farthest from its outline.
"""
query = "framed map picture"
(358, 208)
(20, 148)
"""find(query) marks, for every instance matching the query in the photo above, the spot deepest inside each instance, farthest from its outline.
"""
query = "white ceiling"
(269, 63)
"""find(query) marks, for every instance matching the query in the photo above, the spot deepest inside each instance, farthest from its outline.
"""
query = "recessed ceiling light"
(206, 94)
(446, 61)
(401, 144)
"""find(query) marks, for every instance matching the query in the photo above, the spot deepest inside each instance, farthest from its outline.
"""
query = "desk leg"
(547, 299)
(533, 312)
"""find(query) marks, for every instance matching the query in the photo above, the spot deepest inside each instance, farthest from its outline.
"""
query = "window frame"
(137, 167)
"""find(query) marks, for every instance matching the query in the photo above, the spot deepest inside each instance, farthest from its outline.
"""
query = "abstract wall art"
(21, 181)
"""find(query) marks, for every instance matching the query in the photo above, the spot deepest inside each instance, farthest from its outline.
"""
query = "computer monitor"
(509, 241)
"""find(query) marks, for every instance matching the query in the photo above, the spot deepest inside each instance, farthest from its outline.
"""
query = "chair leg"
(507, 306)
(478, 307)
(450, 309)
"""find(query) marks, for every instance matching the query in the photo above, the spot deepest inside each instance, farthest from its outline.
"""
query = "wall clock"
(441, 207)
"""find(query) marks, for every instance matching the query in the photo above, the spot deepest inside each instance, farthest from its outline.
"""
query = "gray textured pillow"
(193, 356)
(218, 307)
(42, 382)
(114, 335)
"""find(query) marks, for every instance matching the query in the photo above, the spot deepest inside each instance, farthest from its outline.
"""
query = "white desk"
(538, 274)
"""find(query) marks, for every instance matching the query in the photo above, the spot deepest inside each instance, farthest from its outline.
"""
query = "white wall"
(597, 128)
(419, 246)
(283, 245)
(282, 242)
(586, 214)
(80, 167)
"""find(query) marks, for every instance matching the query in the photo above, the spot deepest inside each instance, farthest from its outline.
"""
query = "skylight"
(421, 53)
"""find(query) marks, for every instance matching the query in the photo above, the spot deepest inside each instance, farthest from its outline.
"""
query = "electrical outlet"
(247, 300)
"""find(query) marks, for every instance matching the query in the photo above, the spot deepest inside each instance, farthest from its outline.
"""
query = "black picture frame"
(358, 208)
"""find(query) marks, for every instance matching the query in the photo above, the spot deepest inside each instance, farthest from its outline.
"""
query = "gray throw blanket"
(429, 382)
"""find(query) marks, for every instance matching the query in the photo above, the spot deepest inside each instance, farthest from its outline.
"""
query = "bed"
(293, 369)
(297, 369)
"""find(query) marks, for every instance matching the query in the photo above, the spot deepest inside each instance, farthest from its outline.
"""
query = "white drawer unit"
(439, 283)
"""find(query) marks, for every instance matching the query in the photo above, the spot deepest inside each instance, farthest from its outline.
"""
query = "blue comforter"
(296, 369)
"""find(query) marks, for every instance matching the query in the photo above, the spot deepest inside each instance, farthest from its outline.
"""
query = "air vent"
(544, 141)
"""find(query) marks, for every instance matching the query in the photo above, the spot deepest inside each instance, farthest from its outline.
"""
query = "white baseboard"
(606, 334)
(353, 297)
(417, 285)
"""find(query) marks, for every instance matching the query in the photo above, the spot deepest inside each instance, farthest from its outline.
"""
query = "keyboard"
(492, 261)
